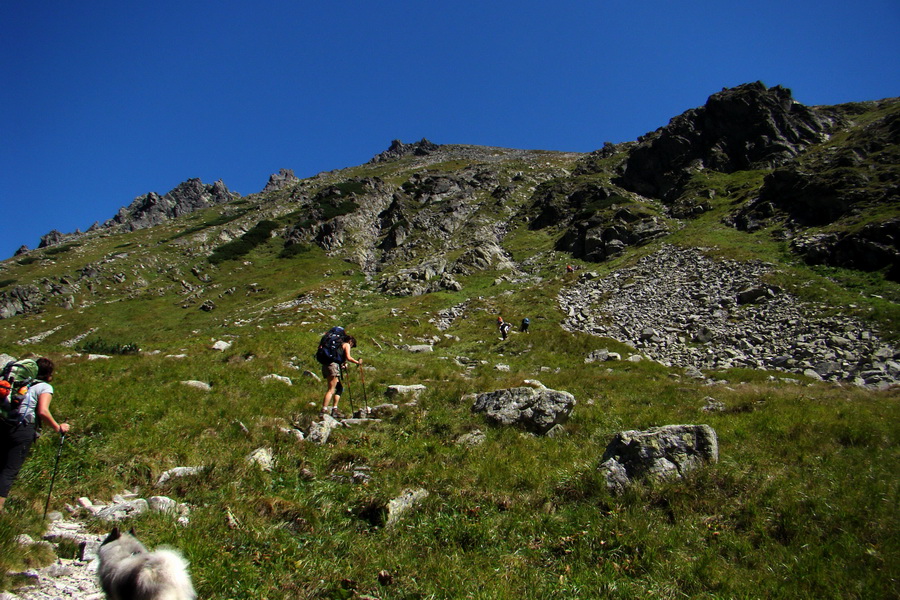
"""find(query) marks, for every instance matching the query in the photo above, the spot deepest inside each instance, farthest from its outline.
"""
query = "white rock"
(200, 385)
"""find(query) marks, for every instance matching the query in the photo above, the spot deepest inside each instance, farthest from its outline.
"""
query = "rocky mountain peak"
(281, 179)
(152, 209)
(398, 150)
(746, 127)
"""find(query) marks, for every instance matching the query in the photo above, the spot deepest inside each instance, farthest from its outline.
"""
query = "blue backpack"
(330, 350)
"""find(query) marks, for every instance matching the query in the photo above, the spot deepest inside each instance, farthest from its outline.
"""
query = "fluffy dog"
(128, 571)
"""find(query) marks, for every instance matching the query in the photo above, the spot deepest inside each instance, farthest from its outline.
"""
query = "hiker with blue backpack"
(25, 395)
(333, 352)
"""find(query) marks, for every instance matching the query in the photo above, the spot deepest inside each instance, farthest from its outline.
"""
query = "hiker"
(504, 329)
(570, 269)
(332, 374)
(525, 323)
(17, 436)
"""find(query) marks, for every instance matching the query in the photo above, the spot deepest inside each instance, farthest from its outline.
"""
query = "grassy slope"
(803, 502)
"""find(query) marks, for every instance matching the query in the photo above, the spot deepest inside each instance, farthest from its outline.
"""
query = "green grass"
(802, 503)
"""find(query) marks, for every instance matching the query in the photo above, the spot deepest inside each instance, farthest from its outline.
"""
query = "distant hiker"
(525, 323)
(504, 329)
(333, 352)
(19, 428)
(570, 269)
(499, 322)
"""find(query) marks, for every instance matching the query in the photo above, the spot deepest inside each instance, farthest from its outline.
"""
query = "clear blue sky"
(103, 101)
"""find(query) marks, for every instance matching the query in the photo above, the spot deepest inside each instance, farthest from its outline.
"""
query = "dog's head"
(114, 535)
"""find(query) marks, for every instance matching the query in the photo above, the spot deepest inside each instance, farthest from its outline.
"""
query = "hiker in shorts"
(16, 437)
(504, 329)
(332, 374)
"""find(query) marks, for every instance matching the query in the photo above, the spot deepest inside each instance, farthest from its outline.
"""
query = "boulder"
(178, 472)
(406, 392)
(200, 385)
(281, 378)
(263, 458)
(536, 410)
(320, 431)
(405, 502)
(661, 453)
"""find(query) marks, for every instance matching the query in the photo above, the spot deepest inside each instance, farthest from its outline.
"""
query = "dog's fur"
(129, 572)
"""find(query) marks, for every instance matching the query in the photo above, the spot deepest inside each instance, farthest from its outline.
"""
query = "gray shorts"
(331, 370)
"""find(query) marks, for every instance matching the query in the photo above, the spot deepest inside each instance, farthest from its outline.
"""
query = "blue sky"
(103, 101)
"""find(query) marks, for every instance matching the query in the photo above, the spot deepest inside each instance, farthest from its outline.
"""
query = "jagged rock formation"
(153, 209)
(874, 247)
(747, 127)
(398, 149)
(282, 179)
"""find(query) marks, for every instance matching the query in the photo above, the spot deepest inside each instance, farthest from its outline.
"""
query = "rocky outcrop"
(659, 454)
(600, 220)
(599, 239)
(153, 209)
(683, 309)
(21, 299)
(537, 410)
(835, 180)
(280, 180)
(398, 150)
(52, 238)
(872, 248)
(747, 127)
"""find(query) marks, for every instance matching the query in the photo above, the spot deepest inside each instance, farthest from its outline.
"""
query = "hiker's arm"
(350, 358)
(43, 411)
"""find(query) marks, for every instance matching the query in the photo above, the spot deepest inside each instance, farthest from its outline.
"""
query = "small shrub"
(60, 249)
(292, 250)
(101, 346)
(242, 246)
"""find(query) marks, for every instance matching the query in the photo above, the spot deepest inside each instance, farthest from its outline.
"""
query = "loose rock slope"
(684, 309)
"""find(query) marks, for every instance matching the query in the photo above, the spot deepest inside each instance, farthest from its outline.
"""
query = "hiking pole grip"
(62, 438)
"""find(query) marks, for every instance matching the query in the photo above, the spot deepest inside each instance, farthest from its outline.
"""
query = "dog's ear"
(131, 532)
(113, 536)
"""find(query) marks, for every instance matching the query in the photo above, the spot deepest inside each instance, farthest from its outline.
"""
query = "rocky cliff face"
(747, 127)
(153, 209)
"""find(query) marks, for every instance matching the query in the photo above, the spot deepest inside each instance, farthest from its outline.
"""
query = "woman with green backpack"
(19, 430)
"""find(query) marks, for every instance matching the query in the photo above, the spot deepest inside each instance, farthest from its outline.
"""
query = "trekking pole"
(350, 394)
(362, 377)
(62, 438)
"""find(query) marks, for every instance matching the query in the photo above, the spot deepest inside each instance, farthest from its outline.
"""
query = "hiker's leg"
(332, 387)
(338, 390)
(15, 448)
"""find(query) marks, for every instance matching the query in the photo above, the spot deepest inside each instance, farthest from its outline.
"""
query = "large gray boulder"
(536, 410)
(659, 454)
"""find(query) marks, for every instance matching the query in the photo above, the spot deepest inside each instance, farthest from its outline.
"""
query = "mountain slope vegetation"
(426, 245)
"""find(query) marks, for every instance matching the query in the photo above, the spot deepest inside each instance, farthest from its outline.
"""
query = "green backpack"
(15, 379)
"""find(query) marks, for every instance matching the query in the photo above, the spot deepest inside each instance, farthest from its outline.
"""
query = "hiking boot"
(335, 413)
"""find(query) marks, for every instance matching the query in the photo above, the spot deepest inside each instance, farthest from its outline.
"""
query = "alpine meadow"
(730, 281)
